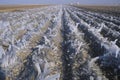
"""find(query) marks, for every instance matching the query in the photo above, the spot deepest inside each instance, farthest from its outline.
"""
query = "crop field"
(60, 42)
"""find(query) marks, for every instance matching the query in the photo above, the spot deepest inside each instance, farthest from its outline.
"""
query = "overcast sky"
(59, 1)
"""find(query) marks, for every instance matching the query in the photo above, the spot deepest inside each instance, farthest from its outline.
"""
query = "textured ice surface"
(59, 42)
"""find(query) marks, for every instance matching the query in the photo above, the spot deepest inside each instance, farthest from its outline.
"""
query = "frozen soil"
(59, 43)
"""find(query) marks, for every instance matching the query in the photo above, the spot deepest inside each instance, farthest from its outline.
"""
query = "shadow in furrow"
(29, 71)
(67, 51)
(2, 75)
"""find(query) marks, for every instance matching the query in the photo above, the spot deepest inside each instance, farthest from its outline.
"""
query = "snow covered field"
(59, 43)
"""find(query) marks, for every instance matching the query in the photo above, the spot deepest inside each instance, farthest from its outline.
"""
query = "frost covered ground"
(59, 43)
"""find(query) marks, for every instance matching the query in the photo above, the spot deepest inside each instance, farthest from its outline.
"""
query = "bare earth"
(13, 8)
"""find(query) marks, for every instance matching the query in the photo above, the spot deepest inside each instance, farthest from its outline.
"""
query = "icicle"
(77, 24)
(91, 63)
(37, 66)
(79, 46)
(102, 25)
(46, 40)
(40, 47)
(115, 48)
(13, 39)
(2, 52)
(114, 42)
(117, 53)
